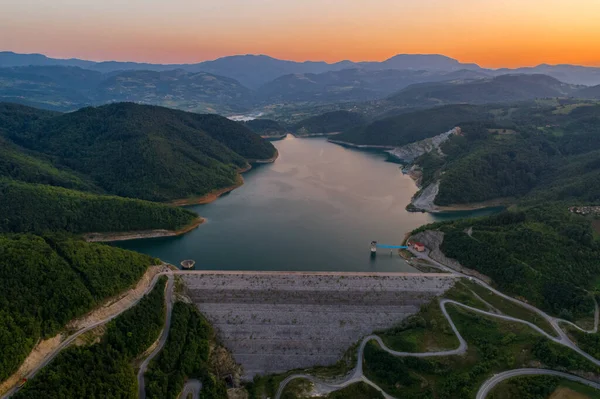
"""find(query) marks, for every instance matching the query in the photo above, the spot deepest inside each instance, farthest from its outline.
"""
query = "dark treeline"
(104, 370)
(139, 151)
(329, 122)
(543, 253)
(41, 208)
(47, 281)
(185, 355)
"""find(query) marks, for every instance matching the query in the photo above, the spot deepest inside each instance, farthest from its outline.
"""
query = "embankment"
(277, 321)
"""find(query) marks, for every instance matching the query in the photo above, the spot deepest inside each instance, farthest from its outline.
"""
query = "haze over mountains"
(240, 83)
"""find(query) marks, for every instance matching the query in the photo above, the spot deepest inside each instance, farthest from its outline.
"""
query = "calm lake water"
(317, 208)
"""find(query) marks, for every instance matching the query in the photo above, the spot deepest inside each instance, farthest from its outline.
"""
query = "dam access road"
(357, 375)
(373, 289)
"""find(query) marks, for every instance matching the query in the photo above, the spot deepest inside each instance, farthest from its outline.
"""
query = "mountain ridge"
(267, 68)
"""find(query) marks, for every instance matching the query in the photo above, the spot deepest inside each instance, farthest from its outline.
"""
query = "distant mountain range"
(238, 84)
(254, 71)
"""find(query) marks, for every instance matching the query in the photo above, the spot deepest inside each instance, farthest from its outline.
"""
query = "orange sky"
(491, 33)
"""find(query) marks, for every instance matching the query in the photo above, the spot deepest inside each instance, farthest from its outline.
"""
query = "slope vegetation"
(413, 126)
(47, 281)
(43, 208)
(143, 151)
(503, 88)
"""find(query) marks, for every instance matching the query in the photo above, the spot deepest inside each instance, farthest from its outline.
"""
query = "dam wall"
(277, 321)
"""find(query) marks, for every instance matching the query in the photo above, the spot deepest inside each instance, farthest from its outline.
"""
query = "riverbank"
(215, 194)
(362, 146)
(134, 235)
(303, 135)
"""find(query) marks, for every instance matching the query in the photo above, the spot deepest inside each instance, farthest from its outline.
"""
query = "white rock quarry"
(410, 152)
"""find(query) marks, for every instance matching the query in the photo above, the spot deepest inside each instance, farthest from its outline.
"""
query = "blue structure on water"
(392, 246)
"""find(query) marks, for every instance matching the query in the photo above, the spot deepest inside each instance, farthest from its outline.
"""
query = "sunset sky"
(491, 33)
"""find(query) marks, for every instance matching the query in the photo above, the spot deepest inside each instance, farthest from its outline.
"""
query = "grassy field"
(510, 308)
(429, 330)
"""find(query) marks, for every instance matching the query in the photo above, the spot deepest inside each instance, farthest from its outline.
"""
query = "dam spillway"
(277, 321)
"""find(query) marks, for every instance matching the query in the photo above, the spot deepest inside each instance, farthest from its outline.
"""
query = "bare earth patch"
(566, 393)
(274, 321)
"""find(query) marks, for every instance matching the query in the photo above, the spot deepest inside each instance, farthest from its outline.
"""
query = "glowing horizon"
(491, 34)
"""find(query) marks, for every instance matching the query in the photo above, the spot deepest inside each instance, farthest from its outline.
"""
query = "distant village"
(585, 210)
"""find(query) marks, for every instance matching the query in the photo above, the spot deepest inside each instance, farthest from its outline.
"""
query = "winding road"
(357, 375)
(487, 386)
(74, 336)
(161, 341)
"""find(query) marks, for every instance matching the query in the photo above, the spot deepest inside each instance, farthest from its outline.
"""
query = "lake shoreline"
(215, 194)
(135, 235)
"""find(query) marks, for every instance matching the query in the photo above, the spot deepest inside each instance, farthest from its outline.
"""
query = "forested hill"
(265, 127)
(413, 126)
(47, 281)
(329, 122)
(504, 88)
(139, 151)
(541, 152)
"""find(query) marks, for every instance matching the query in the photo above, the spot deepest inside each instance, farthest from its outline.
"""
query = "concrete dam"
(277, 321)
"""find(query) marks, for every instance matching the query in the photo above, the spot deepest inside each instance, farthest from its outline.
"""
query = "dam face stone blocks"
(275, 322)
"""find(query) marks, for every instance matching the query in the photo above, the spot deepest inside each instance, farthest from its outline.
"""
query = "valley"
(285, 298)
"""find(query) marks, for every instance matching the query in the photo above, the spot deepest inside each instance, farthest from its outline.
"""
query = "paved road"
(487, 386)
(192, 387)
(161, 341)
(74, 336)
(357, 374)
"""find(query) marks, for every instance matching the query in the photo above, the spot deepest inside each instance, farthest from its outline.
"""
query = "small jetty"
(188, 264)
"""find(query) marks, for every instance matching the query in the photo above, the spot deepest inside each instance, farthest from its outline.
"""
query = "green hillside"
(141, 151)
(27, 166)
(265, 127)
(47, 281)
(43, 208)
(104, 369)
(329, 122)
(542, 253)
(503, 88)
(413, 126)
(539, 154)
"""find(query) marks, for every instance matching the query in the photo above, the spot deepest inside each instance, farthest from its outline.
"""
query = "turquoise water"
(317, 208)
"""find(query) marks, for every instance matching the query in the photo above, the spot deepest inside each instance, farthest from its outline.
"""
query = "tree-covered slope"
(42, 208)
(141, 151)
(542, 253)
(265, 127)
(503, 88)
(413, 126)
(27, 166)
(329, 122)
(47, 281)
(537, 154)
(104, 369)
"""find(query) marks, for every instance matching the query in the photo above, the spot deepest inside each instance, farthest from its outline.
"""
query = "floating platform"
(188, 264)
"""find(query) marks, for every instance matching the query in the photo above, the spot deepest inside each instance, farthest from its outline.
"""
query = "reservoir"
(317, 208)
